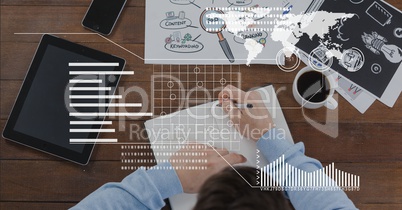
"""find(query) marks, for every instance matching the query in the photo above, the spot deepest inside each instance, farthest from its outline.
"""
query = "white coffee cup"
(329, 101)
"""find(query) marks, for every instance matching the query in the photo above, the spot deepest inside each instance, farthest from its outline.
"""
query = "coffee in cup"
(313, 89)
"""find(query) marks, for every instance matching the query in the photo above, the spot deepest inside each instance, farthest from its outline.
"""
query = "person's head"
(228, 190)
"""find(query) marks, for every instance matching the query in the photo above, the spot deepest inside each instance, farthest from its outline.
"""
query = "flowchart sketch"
(214, 32)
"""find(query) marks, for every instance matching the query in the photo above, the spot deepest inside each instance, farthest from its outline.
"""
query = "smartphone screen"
(102, 15)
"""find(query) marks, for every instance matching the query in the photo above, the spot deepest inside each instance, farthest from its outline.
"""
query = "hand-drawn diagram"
(176, 22)
(259, 36)
(212, 23)
(239, 2)
(184, 2)
(245, 28)
(379, 14)
(377, 44)
(186, 44)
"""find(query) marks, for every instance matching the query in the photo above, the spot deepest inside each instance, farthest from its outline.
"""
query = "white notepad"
(204, 124)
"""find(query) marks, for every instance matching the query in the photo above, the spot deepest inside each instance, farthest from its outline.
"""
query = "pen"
(241, 106)
(244, 106)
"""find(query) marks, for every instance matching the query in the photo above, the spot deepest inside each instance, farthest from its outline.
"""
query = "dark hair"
(228, 190)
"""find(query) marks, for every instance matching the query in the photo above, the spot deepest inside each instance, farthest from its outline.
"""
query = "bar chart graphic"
(90, 95)
(281, 176)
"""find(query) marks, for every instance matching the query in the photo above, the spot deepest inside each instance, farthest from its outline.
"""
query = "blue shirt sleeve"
(143, 189)
(273, 148)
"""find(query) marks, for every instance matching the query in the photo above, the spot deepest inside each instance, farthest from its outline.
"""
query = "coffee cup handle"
(331, 103)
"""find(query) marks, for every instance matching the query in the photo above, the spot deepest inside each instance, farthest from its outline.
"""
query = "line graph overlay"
(279, 175)
(176, 88)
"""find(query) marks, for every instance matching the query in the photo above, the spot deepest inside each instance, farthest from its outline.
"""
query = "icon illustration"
(379, 14)
(352, 59)
(398, 33)
(377, 44)
(376, 68)
(321, 58)
(212, 22)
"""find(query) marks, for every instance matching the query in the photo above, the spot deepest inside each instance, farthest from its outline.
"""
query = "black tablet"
(65, 86)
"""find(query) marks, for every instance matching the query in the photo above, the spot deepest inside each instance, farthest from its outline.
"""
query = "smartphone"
(102, 15)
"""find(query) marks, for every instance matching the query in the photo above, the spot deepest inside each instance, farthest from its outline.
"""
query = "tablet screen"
(41, 117)
(45, 107)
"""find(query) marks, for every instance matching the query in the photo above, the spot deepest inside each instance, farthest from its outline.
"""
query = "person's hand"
(251, 122)
(195, 163)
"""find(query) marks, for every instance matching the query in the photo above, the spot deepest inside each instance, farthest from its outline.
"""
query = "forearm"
(273, 148)
(139, 190)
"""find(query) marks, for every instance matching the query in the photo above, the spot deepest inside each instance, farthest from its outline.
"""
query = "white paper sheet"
(379, 75)
(200, 120)
(173, 33)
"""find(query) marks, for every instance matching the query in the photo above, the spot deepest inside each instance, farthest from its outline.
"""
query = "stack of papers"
(363, 49)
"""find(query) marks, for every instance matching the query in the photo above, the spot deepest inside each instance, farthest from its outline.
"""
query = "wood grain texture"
(85, 3)
(62, 19)
(367, 145)
(35, 205)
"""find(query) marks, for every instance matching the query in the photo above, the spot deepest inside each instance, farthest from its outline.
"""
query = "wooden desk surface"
(368, 145)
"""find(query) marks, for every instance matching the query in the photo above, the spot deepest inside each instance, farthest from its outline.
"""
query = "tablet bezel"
(10, 134)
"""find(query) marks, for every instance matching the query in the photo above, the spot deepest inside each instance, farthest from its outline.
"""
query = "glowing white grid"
(186, 78)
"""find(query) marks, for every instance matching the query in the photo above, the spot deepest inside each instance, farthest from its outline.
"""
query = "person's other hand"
(250, 122)
(195, 163)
